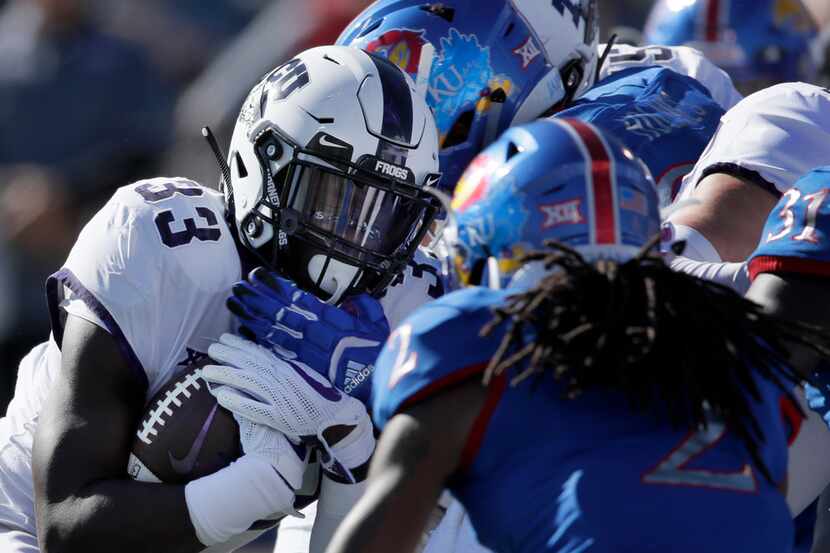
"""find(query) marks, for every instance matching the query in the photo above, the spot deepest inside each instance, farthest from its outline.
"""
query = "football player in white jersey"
(142, 295)
(763, 146)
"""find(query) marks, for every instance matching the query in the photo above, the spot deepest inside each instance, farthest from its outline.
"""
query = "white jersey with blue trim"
(154, 268)
(771, 138)
(681, 59)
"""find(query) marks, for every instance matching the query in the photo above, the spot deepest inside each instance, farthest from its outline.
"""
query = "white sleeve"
(422, 281)
(733, 275)
(156, 300)
(336, 501)
(681, 59)
(771, 138)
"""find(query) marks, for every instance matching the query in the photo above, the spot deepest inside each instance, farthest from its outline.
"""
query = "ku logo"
(474, 182)
(460, 73)
(792, 14)
(400, 46)
(562, 213)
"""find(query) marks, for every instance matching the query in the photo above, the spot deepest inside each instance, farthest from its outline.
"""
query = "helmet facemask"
(339, 228)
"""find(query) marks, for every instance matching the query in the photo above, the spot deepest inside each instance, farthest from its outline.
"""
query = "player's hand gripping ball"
(341, 343)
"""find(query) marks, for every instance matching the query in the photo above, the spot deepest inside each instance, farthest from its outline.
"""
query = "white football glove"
(259, 486)
(286, 395)
(268, 444)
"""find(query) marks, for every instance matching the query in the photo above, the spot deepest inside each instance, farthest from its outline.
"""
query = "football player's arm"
(794, 297)
(730, 213)
(418, 451)
(84, 500)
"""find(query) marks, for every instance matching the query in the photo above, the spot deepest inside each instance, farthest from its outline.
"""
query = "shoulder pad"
(663, 117)
(437, 346)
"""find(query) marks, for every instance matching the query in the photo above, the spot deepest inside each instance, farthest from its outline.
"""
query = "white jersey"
(681, 59)
(772, 138)
(154, 268)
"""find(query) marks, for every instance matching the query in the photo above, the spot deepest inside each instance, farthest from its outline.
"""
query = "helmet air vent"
(441, 10)
(370, 26)
(512, 150)
(240, 166)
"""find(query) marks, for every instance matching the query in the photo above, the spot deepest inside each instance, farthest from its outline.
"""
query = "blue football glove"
(341, 343)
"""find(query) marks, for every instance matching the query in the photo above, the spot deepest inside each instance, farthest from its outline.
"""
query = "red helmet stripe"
(601, 186)
(712, 21)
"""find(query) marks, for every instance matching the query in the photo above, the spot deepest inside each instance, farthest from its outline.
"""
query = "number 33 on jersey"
(154, 267)
(796, 236)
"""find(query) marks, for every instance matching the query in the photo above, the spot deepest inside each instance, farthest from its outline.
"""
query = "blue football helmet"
(483, 66)
(554, 179)
(758, 42)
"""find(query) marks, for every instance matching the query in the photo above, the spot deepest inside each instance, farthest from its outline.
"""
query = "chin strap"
(605, 53)
(224, 183)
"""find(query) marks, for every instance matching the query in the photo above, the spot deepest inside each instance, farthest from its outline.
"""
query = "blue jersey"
(665, 118)
(796, 236)
(796, 239)
(541, 473)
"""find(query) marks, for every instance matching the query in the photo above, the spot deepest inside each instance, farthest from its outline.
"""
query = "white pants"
(454, 534)
(294, 534)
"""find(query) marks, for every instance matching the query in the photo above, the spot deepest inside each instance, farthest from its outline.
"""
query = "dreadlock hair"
(626, 327)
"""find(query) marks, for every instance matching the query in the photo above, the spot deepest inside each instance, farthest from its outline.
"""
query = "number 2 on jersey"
(814, 201)
(673, 470)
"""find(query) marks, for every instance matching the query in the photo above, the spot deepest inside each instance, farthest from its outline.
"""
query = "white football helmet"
(330, 164)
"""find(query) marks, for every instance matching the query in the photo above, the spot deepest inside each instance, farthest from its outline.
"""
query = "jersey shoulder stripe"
(436, 347)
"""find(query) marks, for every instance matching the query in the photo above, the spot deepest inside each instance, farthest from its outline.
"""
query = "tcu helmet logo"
(287, 79)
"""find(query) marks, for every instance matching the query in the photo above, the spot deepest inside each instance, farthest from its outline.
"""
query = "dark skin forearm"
(83, 497)
(795, 297)
(418, 451)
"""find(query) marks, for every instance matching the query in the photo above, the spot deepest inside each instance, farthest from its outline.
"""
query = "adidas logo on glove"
(356, 374)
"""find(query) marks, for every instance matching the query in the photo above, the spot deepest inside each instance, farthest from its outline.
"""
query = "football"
(184, 433)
